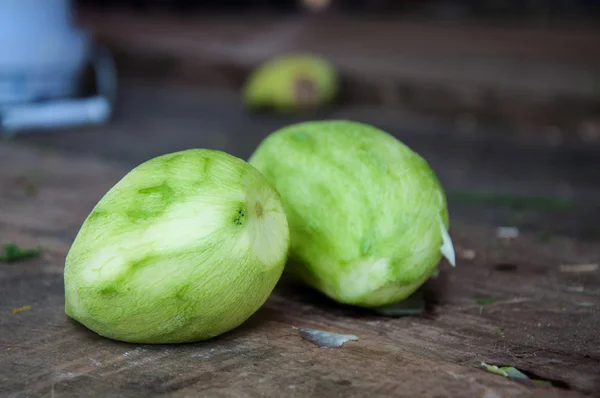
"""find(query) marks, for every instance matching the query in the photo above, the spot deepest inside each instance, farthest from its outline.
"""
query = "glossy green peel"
(291, 83)
(367, 215)
(185, 247)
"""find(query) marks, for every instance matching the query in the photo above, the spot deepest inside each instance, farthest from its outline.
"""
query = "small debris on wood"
(580, 268)
(486, 300)
(507, 232)
(584, 304)
(326, 339)
(467, 254)
(20, 309)
(13, 253)
(558, 309)
(574, 289)
(412, 305)
(447, 248)
(499, 371)
(514, 374)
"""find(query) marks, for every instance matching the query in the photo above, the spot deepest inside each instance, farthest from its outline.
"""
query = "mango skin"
(291, 83)
(366, 213)
(185, 247)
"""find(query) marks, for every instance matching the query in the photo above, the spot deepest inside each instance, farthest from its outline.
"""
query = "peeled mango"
(185, 247)
(291, 83)
(368, 217)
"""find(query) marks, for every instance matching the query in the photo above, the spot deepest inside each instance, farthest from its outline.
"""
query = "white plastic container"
(42, 54)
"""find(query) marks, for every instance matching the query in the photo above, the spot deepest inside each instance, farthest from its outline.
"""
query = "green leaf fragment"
(514, 374)
(486, 300)
(494, 369)
(583, 304)
(542, 382)
(13, 253)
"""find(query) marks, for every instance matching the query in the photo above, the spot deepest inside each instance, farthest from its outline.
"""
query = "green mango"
(291, 83)
(368, 217)
(185, 247)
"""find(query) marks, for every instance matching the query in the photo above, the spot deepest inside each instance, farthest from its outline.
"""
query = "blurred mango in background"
(291, 83)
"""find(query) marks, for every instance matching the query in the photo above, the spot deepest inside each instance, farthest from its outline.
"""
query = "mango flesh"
(368, 216)
(185, 247)
(291, 83)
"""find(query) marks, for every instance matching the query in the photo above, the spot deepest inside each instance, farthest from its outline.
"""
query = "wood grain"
(534, 323)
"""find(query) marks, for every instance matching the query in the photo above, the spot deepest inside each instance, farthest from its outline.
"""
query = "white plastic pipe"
(41, 52)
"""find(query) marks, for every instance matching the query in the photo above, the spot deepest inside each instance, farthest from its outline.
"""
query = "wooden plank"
(534, 324)
(537, 82)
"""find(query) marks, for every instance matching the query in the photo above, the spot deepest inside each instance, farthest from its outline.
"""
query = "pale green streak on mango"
(185, 247)
(364, 209)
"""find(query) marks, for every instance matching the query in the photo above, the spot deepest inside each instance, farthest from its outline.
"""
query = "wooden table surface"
(535, 324)
(544, 320)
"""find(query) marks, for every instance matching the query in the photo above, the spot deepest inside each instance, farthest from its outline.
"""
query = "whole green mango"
(368, 217)
(185, 247)
(289, 83)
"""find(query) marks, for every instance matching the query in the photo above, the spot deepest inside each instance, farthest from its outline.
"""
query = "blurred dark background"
(433, 8)
(501, 97)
